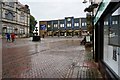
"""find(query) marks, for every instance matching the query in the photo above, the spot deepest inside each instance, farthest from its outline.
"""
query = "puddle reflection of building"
(36, 48)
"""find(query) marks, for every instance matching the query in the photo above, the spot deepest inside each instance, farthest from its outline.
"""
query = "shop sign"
(101, 10)
(42, 27)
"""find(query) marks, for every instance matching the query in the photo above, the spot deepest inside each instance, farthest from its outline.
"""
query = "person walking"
(13, 37)
(8, 37)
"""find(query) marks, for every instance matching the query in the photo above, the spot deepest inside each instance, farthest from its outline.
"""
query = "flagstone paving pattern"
(57, 58)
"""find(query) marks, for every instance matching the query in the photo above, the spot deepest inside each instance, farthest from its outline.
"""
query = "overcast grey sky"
(55, 9)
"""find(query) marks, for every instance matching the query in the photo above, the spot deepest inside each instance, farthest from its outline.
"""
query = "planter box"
(36, 38)
(88, 44)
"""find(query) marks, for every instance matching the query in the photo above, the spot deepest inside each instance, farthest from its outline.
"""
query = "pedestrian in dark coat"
(8, 37)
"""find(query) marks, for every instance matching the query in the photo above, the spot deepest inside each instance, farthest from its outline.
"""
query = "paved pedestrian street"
(59, 58)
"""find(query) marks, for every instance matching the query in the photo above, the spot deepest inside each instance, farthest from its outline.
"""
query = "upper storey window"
(22, 16)
(9, 15)
(11, 4)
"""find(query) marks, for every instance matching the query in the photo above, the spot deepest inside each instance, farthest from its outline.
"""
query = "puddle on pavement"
(64, 43)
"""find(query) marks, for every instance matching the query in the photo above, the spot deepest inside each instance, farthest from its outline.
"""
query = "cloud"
(55, 9)
(50, 1)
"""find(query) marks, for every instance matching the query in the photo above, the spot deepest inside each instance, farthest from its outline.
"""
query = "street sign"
(43, 27)
(87, 38)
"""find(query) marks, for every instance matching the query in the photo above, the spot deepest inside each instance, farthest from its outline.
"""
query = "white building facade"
(15, 18)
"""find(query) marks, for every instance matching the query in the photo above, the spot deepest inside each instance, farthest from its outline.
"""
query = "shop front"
(62, 32)
(107, 38)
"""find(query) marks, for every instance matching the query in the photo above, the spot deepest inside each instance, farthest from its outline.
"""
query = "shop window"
(113, 36)
(48, 26)
(113, 22)
(55, 25)
(76, 24)
(105, 22)
(114, 31)
(85, 23)
(116, 22)
(10, 29)
(68, 25)
(82, 24)
(61, 25)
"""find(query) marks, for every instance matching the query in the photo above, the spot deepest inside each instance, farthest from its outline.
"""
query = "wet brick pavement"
(50, 58)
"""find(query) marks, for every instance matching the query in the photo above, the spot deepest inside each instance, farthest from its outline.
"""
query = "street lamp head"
(94, 5)
(88, 9)
(91, 8)
(85, 1)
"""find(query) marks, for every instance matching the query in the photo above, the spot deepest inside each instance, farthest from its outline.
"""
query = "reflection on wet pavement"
(59, 59)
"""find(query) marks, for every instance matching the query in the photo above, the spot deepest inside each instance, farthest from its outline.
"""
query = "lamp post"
(91, 10)
(0, 18)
